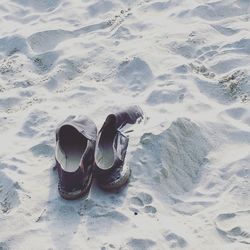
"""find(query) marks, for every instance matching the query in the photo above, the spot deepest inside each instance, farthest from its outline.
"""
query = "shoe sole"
(76, 194)
(126, 172)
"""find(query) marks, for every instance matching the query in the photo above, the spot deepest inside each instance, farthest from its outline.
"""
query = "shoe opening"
(105, 153)
(71, 146)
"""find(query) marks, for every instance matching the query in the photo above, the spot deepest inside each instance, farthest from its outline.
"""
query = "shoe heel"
(117, 184)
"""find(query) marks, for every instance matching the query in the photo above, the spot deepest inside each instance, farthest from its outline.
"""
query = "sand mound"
(174, 158)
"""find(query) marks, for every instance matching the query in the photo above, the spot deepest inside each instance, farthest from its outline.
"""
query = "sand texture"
(186, 63)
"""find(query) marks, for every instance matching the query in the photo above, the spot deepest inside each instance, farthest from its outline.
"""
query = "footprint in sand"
(189, 47)
(201, 70)
(108, 246)
(160, 6)
(135, 74)
(9, 102)
(235, 84)
(234, 226)
(10, 45)
(95, 210)
(42, 149)
(238, 114)
(142, 202)
(44, 6)
(8, 194)
(139, 244)
(45, 62)
(166, 96)
(33, 122)
(218, 10)
(44, 41)
(207, 52)
(203, 55)
(174, 240)
(100, 8)
(3, 246)
(226, 31)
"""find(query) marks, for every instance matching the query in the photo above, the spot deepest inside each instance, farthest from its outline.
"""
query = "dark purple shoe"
(111, 147)
(75, 145)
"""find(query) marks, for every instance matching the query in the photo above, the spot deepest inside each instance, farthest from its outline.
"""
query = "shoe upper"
(111, 146)
(75, 145)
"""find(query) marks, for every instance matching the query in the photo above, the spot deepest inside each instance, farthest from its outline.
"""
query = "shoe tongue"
(110, 123)
(68, 130)
(129, 115)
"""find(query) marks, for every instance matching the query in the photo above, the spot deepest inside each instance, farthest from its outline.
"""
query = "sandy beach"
(186, 64)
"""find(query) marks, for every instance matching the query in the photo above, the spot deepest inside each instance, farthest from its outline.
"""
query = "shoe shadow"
(103, 210)
(71, 223)
(62, 216)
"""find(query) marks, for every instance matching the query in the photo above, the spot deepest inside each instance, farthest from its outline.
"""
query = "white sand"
(186, 63)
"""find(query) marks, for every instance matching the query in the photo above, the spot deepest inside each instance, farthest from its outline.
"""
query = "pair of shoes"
(82, 154)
